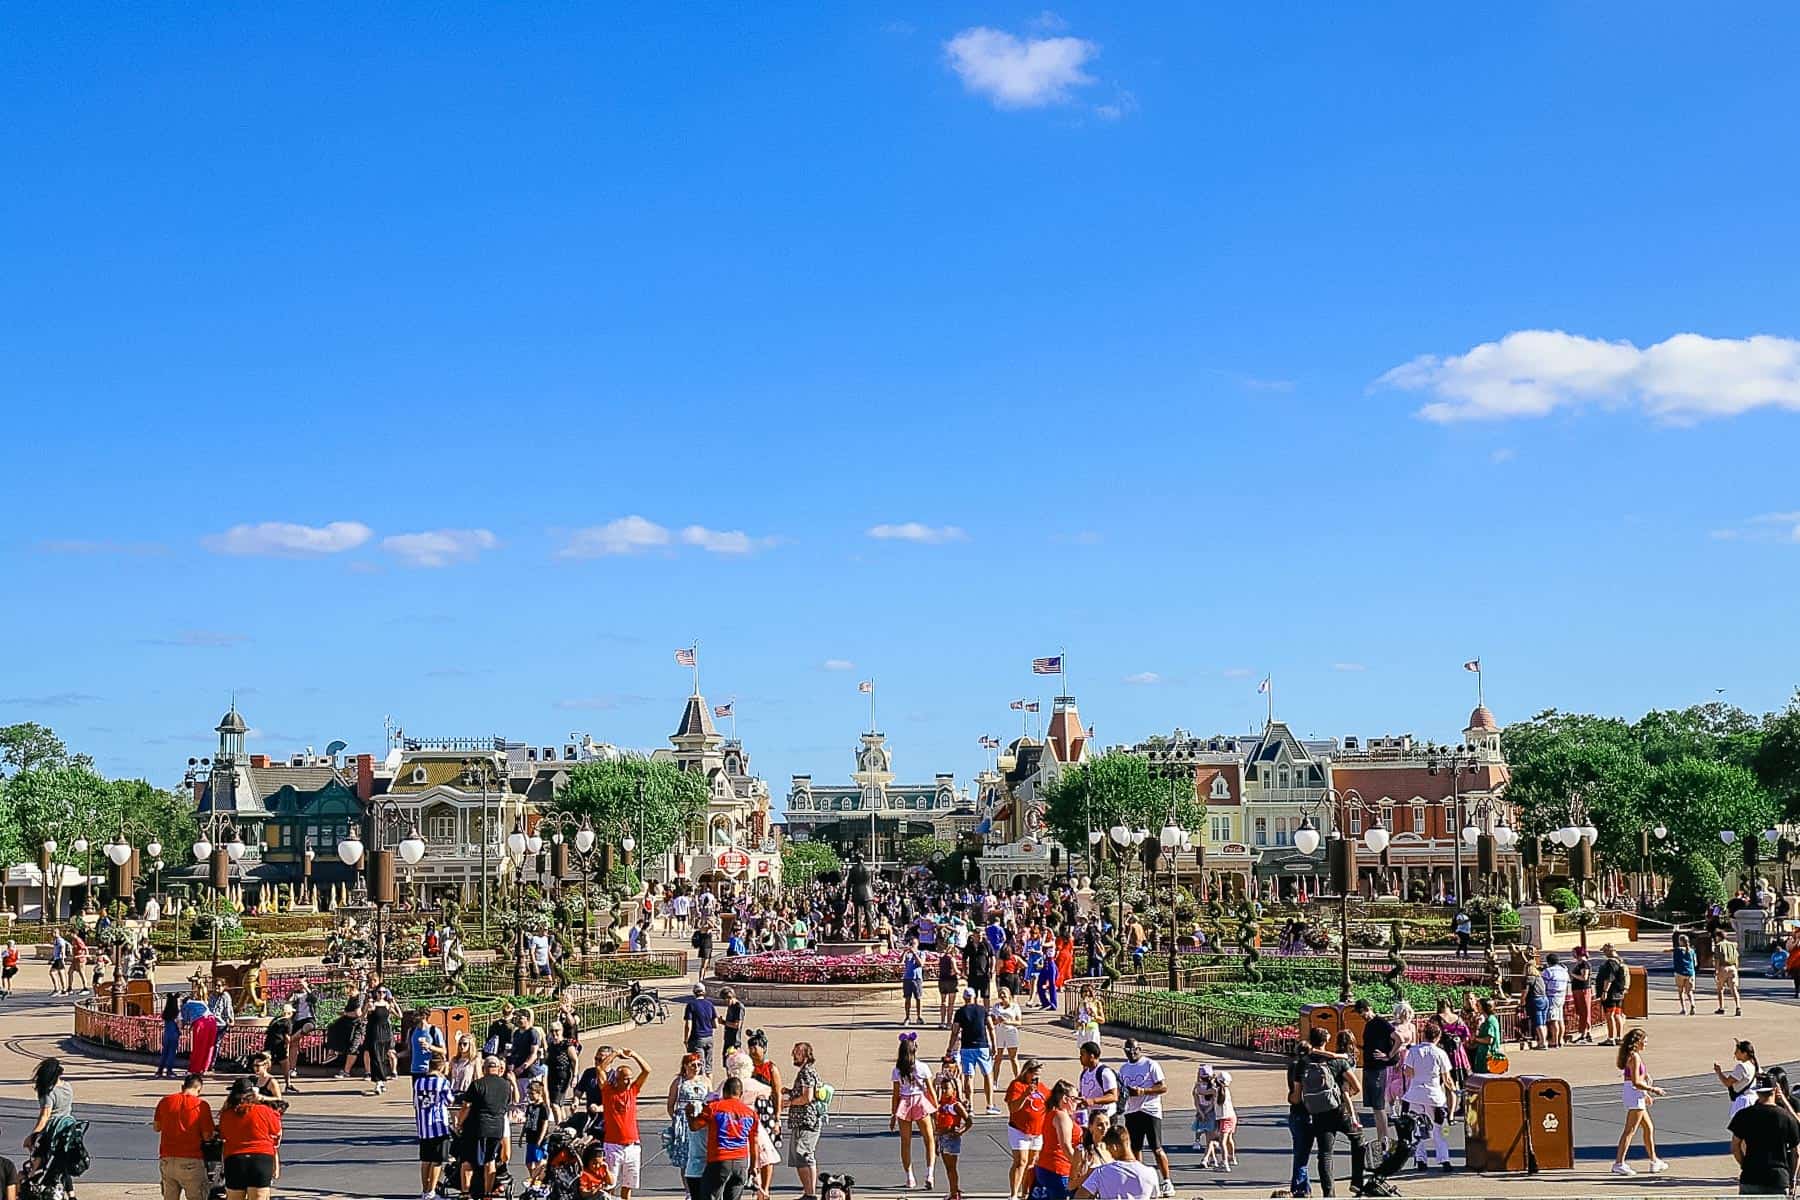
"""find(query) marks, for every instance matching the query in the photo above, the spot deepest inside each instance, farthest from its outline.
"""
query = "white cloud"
(635, 534)
(1766, 527)
(283, 539)
(838, 664)
(1348, 666)
(626, 535)
(439, 547)
(1143, 678)
(1118, 108)
(1504, 454)
(1238, 672)
(913, 531)
(723, 541)
(1016, 72)
(1048, 22)
(1534, 372)
(211, 639)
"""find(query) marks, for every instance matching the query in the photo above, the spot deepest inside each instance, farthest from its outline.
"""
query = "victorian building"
(872, 816)
(1018, 850)
(734, 839)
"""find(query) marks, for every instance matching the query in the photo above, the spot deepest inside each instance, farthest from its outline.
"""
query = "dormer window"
(1220, 789)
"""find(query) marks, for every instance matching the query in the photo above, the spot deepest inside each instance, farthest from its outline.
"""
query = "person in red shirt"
(183, 1120)
(1050, 1177)
(618, 1120)
(1025, 1104)
(252, 1133)
(731, 1128)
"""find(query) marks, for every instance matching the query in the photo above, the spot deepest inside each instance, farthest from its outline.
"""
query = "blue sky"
(1199, 342)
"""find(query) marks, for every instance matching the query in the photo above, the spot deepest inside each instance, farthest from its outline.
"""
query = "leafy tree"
(802, 861)
(1117, 788)
(655, 802)
(1722, 732)
(920, 851)
(64, 802)
(1696, 798)
(1695, 884)
(1777, 762)
(1555, 757)
(28, 746)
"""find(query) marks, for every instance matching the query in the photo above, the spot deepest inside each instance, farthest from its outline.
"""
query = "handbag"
(1497, 1063)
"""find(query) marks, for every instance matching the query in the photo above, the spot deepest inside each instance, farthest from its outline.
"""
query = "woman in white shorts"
(1008, 1016)
(1637, 1092)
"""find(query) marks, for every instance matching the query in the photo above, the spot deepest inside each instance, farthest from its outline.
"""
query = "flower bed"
(795, 966)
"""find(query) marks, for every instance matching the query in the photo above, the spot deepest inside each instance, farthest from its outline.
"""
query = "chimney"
(259, 760)
(365, 776)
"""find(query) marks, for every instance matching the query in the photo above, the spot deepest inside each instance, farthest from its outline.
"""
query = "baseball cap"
(699, 989)
(968, 993)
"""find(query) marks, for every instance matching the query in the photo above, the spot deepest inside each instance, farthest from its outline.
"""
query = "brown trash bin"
(1637, 996)
(450, 1021)
(1494, 1128)
(1549, 1123)
(1329, 1017)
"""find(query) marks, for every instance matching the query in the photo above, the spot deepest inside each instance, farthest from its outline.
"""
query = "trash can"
(1494, 1129)
(1329, 1017)
(1549, 1123)
(1637, 996)
(451, 1021)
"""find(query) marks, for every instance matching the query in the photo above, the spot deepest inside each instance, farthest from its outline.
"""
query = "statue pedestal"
(1084, 901)
(1537, 925)
(1752, 926)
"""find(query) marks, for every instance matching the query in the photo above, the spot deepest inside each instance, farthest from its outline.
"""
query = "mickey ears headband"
(909, 1037)
(757, 1037)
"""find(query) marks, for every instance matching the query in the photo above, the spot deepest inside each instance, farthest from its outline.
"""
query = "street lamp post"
(220, 846)
(1173, 839)
(1340, 858)
(1578, 838)
(1456, 763)
(581, 833)
(481, 772)
(379, 870)
(518, 845)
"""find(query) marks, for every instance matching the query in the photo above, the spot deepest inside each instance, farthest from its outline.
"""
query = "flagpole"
(1480, 700)
(1062, 669)
(873, 728)
(1269, 680)
(696, 649)
(733, 703)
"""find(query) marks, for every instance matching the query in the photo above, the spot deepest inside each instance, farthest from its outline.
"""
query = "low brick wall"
(807, 995)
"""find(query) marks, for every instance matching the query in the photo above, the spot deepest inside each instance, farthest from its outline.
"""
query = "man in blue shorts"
(972, 1038)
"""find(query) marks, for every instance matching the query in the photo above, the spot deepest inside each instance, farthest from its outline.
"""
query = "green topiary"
(1564, 899)
(1695, 885)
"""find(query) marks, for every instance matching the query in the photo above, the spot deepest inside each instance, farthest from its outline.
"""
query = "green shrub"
(1564, 899)
(1695, 885)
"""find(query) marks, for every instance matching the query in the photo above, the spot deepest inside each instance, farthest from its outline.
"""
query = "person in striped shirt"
(432, 1098)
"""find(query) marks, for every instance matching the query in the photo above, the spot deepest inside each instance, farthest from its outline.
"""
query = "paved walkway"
(855, 1046)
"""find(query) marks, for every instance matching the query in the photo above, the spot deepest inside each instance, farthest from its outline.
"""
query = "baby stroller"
(1408, 1131)
(450, 1185)
(59, 1154)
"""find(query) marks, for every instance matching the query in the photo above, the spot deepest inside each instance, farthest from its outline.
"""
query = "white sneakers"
(1620, 1168)
(1167, 1188)
(1657, 1167)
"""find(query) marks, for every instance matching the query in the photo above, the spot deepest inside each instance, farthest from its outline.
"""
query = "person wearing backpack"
(1326, 1080)
(1299, 1122)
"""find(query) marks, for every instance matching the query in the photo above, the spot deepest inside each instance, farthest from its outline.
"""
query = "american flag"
(1262, 689)
(990, 743)
(1017, 706)
(1032, 706)
(866, 687)
(723, 710)
(1047, 666)
(1474, 664)
(685, 657)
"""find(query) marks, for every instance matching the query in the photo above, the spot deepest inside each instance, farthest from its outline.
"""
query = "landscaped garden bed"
(795, 966)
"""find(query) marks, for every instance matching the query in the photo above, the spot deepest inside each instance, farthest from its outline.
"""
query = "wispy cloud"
(1118, 108)
(837, 664)
(206, 639)
(913, 531)
(899, 28)
(85, 546)
(636, 535)
(626, 535)
(1258, 384)
(1348, 666)
(601, 703)
(1502, 454)
(51, 700)
(1019, 72)
(439, 547)
(724, 541)
(1765, 527)
(1143, 678)
(1082, 537)
(1047, 22)
(282, 539)
(1535, 372)
(1237, 672)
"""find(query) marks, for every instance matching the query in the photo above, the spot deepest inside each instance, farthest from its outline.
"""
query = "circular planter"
(805, 995)
(844, 948)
